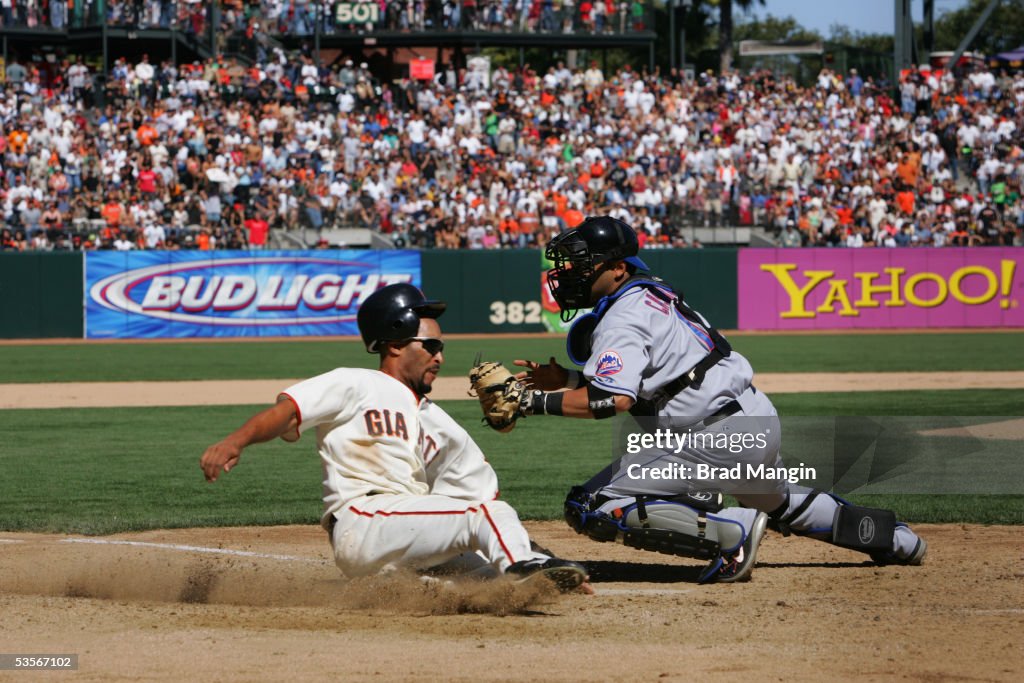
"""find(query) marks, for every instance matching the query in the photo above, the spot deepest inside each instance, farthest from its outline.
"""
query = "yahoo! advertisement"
(235, 293)
(800, 289)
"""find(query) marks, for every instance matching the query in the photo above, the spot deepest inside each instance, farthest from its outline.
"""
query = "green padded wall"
(40, 295)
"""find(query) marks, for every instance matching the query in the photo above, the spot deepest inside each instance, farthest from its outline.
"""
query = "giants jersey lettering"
(367, 432)
(642, 343)
(455, 464)
(381, 422)
(375, 435)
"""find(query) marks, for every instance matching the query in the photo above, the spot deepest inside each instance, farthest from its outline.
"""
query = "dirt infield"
(267, 605)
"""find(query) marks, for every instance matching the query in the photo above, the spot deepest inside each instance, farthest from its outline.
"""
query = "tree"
(1004, 30)
(875, 42)
(775, 30)
(694, 20)
(725, 28)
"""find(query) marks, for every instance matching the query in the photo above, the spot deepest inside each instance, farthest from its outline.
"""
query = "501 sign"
(515, 313)
(357, 13)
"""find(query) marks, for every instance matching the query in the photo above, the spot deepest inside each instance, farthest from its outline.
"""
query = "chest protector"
(579, 342)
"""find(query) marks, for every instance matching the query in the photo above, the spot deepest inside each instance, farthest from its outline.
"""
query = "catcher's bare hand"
(220, 456)
(550, 377)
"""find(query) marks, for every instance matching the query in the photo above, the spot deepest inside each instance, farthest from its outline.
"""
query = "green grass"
(954, 402)
(99, 471)
(921, 352)
(278, 359)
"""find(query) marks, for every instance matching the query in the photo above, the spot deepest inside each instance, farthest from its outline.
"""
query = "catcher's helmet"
(393, 313)
(577, 252)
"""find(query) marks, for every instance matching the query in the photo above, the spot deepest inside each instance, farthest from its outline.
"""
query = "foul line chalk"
(10, 540)
(195, 549)
(639, 591)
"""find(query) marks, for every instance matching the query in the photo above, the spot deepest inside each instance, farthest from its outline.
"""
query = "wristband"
(544, 403)
(537, 403)
(600, 402)
(553, 403)
(575, 379)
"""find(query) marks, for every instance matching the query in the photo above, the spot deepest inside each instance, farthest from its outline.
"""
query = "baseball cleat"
(916, 558)
(565, 574)
(738, 566)
(434, 582)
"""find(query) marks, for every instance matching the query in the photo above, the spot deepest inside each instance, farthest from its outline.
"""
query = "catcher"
(645, 351)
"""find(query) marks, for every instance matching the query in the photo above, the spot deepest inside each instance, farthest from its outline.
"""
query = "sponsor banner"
(796, 289)
(235, 293)
(421, 69)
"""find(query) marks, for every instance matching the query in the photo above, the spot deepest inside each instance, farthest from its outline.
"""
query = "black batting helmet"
(576, 253)
(393, 313)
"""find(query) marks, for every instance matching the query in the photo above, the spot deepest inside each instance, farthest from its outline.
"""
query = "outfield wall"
(206, 294)
(40, 295)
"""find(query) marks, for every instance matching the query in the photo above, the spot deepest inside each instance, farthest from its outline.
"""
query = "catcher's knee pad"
(656, 525)
(577, 508)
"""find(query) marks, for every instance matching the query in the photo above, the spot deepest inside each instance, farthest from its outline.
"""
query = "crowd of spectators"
(300, 17)
(61, 14)
(215, 154)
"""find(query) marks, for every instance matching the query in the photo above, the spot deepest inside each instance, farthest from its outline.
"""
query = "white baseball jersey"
(375, 435)
(404, 484)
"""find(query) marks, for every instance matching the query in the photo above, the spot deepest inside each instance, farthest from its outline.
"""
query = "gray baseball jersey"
(642, 343)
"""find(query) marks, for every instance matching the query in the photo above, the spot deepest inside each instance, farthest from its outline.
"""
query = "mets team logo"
(609, 363)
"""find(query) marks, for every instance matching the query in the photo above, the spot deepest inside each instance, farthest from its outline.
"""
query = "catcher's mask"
(577, 253)
(393, 314)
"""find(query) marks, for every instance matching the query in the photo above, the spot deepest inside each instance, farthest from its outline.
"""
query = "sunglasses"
(431, 345)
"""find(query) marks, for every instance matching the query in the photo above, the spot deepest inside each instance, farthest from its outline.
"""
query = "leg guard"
(658, 525)
(864, 529)
(827, 517)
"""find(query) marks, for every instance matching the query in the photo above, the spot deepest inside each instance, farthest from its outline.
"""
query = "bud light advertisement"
(168, 294)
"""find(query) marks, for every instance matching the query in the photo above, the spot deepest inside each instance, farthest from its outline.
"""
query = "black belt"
(730, 408)
(693, 378)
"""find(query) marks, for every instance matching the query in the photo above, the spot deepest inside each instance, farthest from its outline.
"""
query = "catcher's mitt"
(499, 392)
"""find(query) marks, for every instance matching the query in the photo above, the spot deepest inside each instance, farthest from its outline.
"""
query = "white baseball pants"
(377, 532)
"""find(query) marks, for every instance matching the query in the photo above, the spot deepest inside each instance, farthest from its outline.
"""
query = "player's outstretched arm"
(578, 403)
(265, 425)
